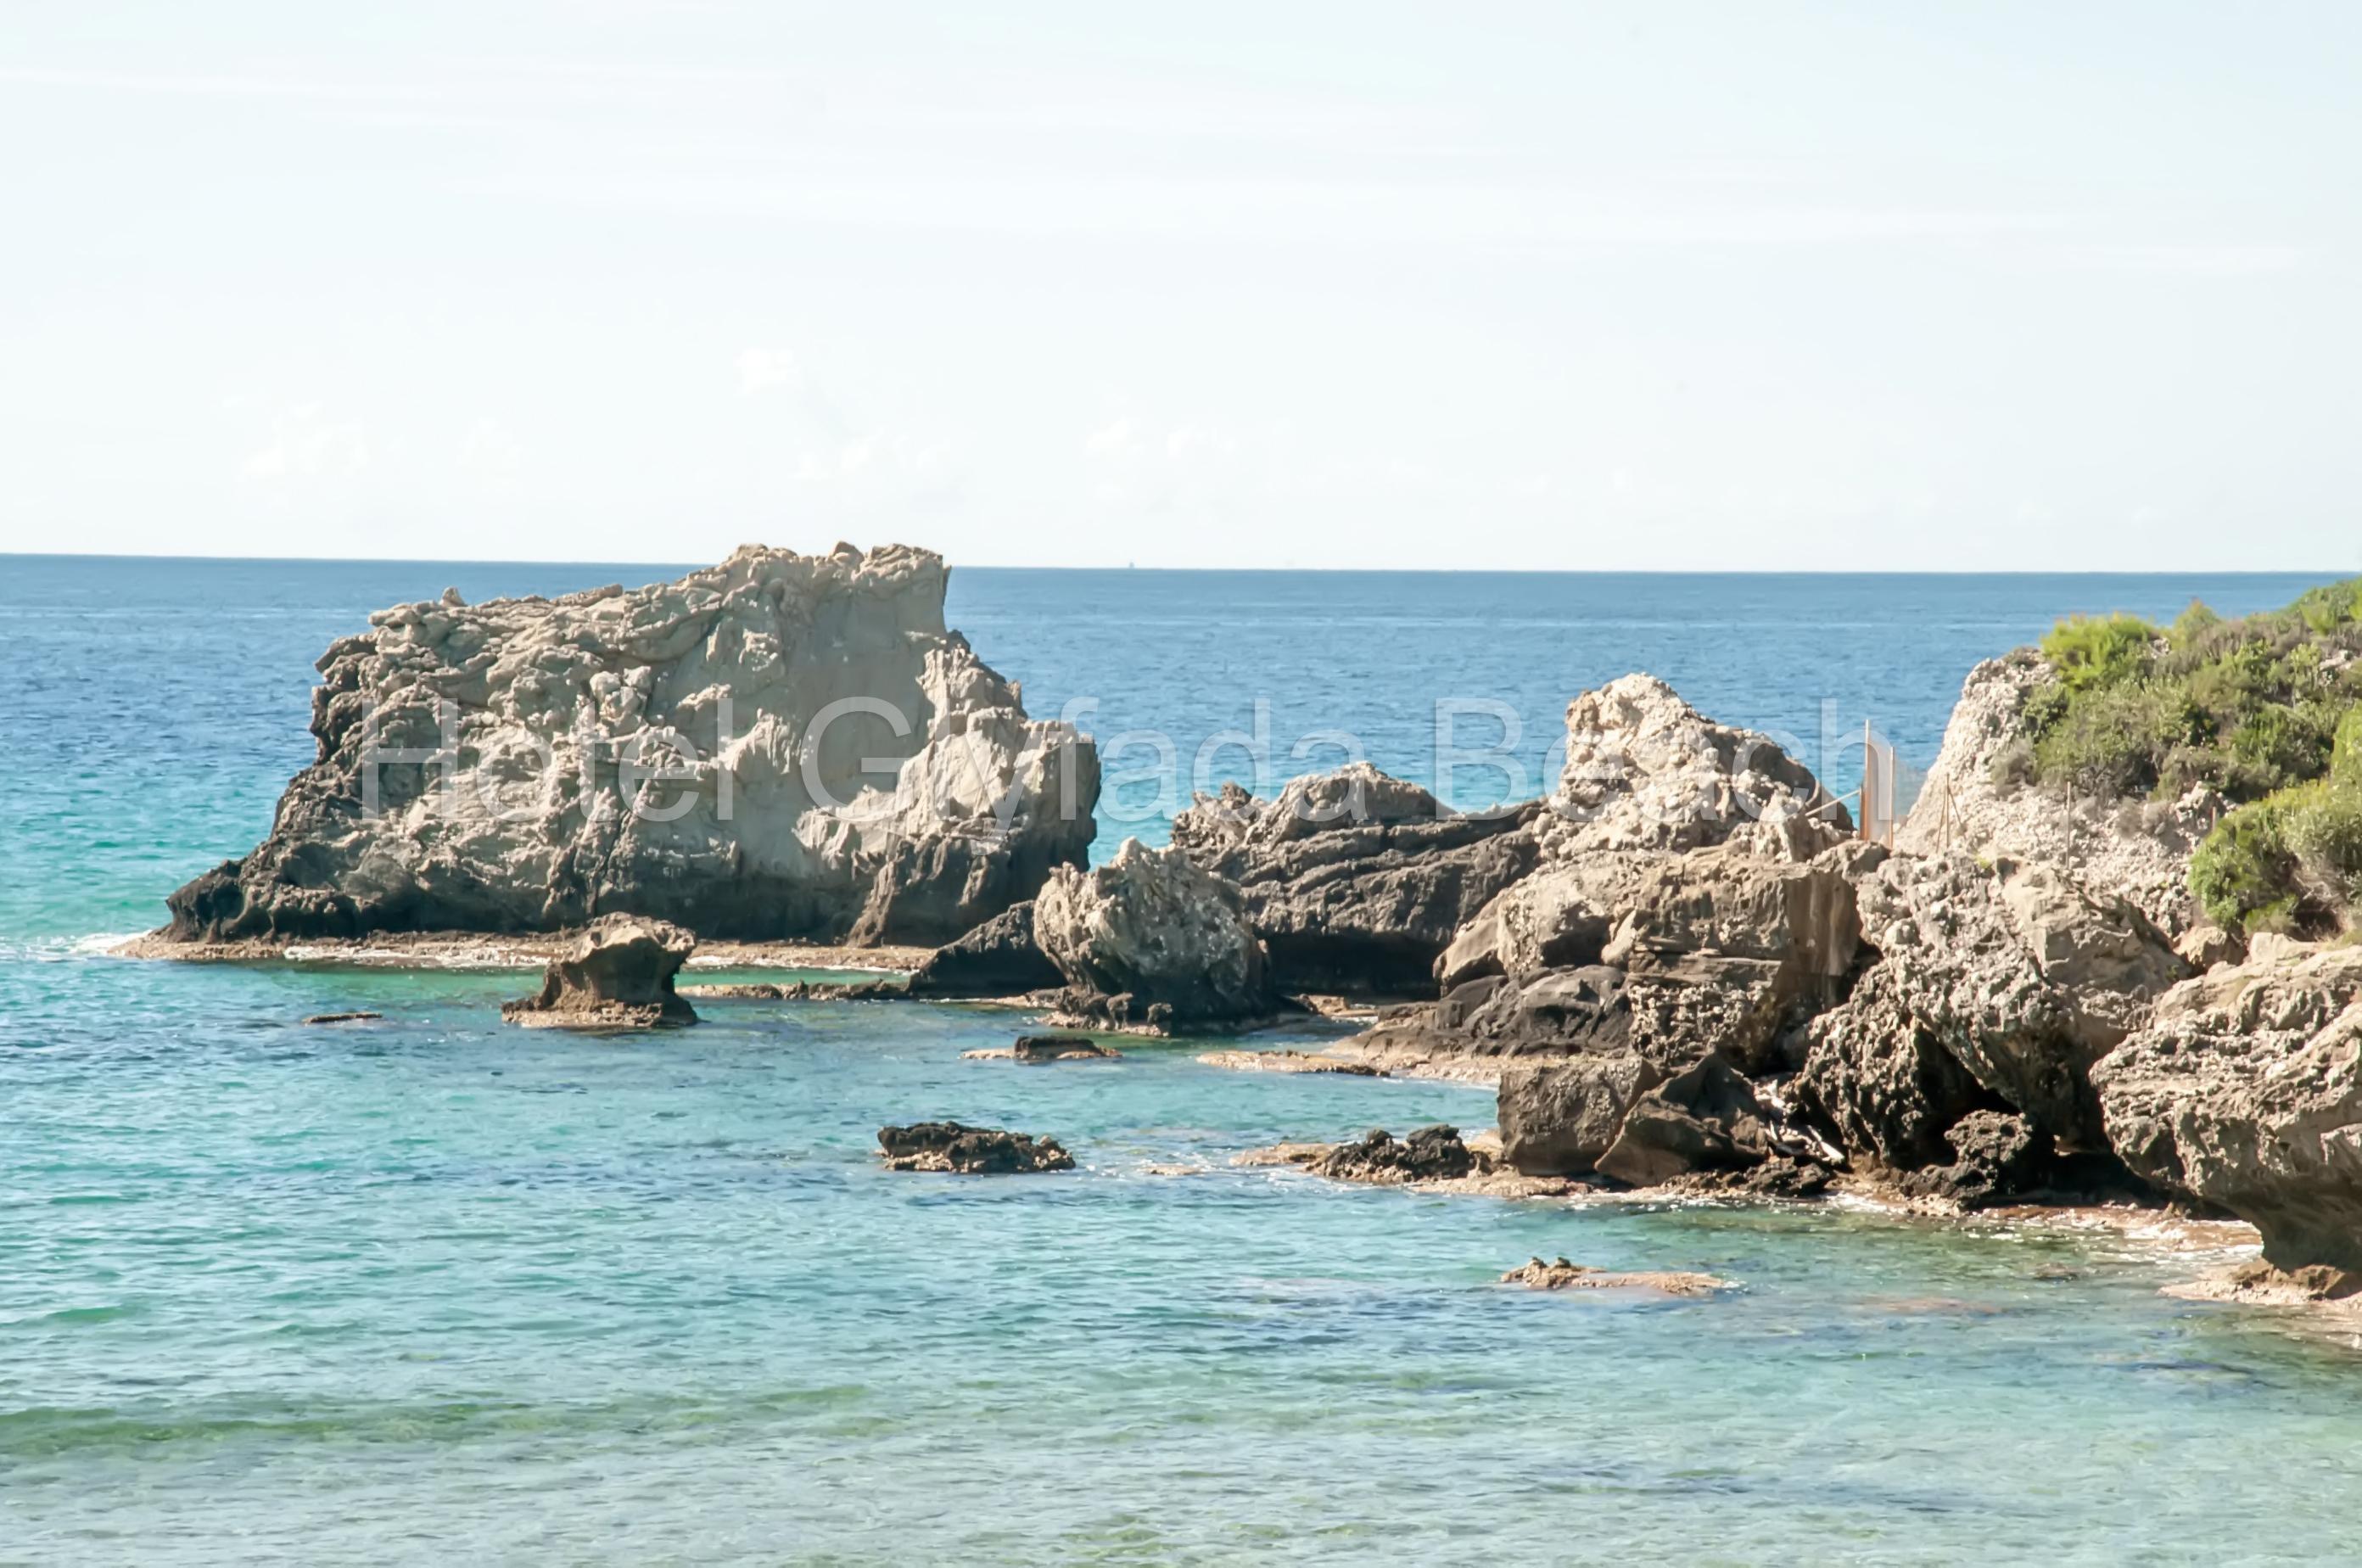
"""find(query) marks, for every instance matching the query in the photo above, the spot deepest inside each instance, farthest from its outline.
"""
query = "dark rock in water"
(1999, 1155)
(1708, 1117)
(1559, 1118)
(969, 1151)
(524, 765)
(617, 974)
(1882, 1082)
(1060, 1048)
(2242, 1091)
(1152, 940)
(1431, 1154)
(998, 958)
(1354, 880)
(344, 1018)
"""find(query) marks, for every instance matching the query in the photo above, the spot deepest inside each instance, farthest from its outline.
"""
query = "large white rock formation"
(782, 746)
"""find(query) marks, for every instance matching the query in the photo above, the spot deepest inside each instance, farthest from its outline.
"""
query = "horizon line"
(2328, 573)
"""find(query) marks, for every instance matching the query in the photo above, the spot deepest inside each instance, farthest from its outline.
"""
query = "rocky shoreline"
(1682, 970)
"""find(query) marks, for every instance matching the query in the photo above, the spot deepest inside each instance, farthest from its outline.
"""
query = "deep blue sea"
(438, 1291)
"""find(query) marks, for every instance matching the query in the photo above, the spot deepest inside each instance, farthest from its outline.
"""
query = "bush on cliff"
(2266, 710)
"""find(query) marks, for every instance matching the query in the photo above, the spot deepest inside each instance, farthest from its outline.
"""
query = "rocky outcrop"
(1429, 1153)
(1708, 1117)
(1152, 940)
(2021, 975)
(697, 751)
(1356, 882)
(998, 958)
(1561, 1118)
(961, 1150)
(1645, 771)
(618, 974)
(1722, 949)
(2244, 1090)
(1977, 800)
(1882, 1082)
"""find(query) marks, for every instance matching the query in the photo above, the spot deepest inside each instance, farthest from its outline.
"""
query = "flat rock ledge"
(1291, 1061)
(962, 1149)
(617, 974)
(1560, 1274)
(2257, 1284)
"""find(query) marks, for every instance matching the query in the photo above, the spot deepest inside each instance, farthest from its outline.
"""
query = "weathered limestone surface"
(617, 975)
(1152, 940)
(1645, 771)
(2139, 851)
(693, 751)
(2245, 1090)
(2018, 972)
(1356, 882)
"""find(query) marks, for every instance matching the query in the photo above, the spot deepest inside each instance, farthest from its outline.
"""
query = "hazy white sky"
(1670, 284)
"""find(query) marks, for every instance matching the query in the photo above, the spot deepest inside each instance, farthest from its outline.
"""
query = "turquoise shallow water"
(438, 1290)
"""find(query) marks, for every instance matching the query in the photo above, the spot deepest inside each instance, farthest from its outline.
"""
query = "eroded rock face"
(2245, 1090)
(1881, 1081)
(1645, 771)
(1561, 1118)
(1997, 1155)
(998, 958)
(1708, 1117)
(617, 975)
(1973, 802)
(1356, 882)
(962, 1149)
(2022, 975)
(691, 751)
(1151, 939)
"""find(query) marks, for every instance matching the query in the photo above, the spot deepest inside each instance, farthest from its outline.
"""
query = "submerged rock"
(1354, 880)
(344, 1018)
(1152, 940)
(2245, 1090)
(1560, 1274)
(1291, 1061)
(962, 1149)
(618, 974)
(694, 751)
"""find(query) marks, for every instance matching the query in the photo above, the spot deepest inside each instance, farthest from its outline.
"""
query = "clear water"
(434, 1290)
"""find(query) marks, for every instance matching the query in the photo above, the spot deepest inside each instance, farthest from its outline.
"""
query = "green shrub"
(2330, 606)
(2345, 754)
(2110, 740)
(2243, 875)
(2291, 862)
(2090, 652)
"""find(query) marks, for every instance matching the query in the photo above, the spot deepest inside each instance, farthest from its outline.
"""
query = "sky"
(1688, 284)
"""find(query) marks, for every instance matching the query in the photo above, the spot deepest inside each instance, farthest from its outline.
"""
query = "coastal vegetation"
(2264, 711)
